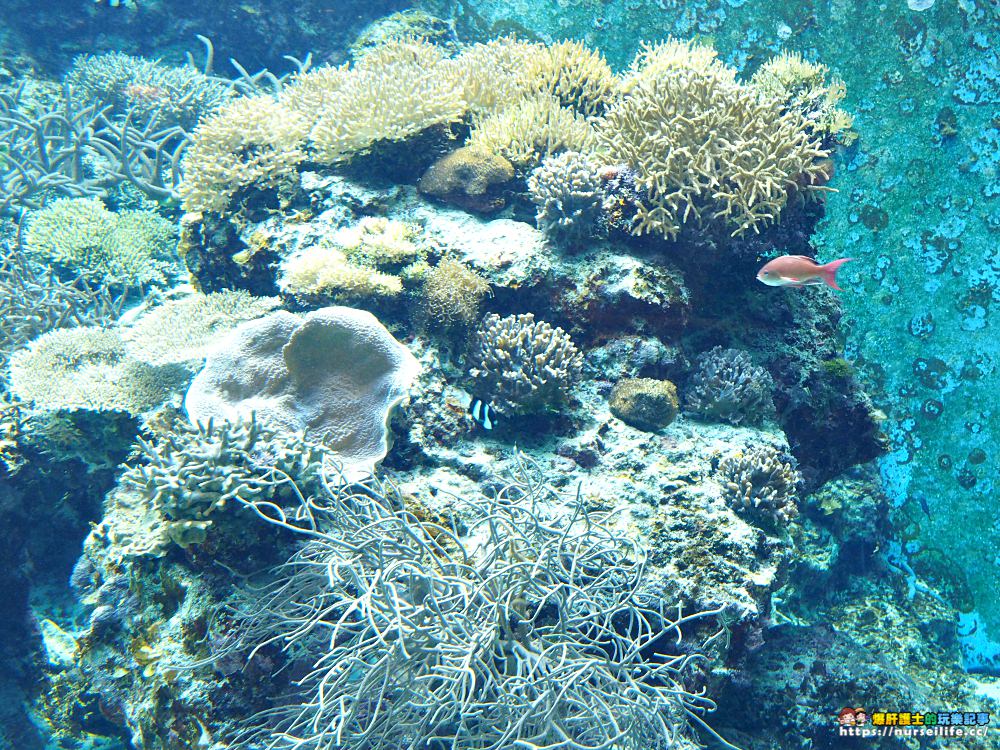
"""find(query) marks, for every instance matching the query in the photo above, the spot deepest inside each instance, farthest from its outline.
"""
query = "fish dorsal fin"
(806, 257)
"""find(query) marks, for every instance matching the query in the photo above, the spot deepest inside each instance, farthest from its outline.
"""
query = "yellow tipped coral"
(706, 147)
(494, 74)
(322, 270)
(578, 77)
(379, 241)
(802, 86)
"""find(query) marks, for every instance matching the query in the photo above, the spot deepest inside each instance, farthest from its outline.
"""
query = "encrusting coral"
(760, 484)
(81, 234)
(706, 147)
(728, 386)
(334, 375)
(569, 194)
(525, 365)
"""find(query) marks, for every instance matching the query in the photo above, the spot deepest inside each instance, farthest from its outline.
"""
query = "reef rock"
(333, 374)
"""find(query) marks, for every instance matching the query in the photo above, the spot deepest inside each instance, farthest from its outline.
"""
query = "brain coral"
(333, 374)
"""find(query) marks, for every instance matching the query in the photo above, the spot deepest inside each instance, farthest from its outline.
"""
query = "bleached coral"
(252, 142)
(525, 365)
(706, 148)
(532, 128)
(183, 330)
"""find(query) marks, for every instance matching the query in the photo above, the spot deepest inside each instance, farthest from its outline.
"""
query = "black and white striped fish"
(482, 413)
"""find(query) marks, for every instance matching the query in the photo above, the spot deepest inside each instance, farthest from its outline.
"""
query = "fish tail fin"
(829, 272)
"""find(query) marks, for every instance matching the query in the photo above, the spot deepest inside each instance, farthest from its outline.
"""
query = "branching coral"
(578, 77)
(525, 365)
(802, 87)
(189, 473)
(706, 148)
(761, 484)
(320, 271)
(452, 295)
(33, 301)
(535, 632)
(252, 142)
(530, 129)
(569, 194)
(89, 368)
(146, 89)
(377, 241)
(81, 234)
(183, 330)
(728, 386)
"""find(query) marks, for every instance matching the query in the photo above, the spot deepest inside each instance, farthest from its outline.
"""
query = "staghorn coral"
(182, 330)
(253, 142)
(83, 235)
(728, 386)
(452, 294)
(89, 368)
(760, 484)
(517, 626)
(568, 192)
(494, 73)
(393, 92)
(530, 129)
(33, 301)
(190, 473)
(146, 89)
(706, 147)
(645, 403)
(578, 77)
(334, 374)
(523, 365)
(802, 87)
(470, 178)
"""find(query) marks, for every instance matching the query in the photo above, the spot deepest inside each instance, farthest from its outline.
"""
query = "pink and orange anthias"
(799, 271)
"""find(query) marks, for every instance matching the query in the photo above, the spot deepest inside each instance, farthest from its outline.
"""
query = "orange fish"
(800, 270)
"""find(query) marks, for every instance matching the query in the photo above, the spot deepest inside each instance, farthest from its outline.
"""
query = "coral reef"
(576, 75)
(130, 247)
(727, 385)
(644, 402)
(319, 271)
(760, 483)
(705, 146)
(524, 365)
(89, 368)
(568, 191)
(334, 374)
(470, 178)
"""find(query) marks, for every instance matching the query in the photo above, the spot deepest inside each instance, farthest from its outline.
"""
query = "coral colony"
(428, 400)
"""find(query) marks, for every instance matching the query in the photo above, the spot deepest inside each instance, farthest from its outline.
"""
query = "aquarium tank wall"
(474, 375)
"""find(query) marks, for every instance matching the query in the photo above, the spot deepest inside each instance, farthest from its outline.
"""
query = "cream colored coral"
(496, 73)
(254, 141)
(802, 86)
(392, 93)
(706, 147)
(320, 270)
(379, 241)
(531, 129)
(578, 77)
(311, 92)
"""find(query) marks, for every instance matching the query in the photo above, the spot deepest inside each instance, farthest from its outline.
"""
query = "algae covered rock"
(645, 403)
(470, 178)
(334, 375)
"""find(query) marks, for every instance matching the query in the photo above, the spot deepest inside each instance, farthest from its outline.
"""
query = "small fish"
(923, 505)
(482, 413)
(800, 270)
